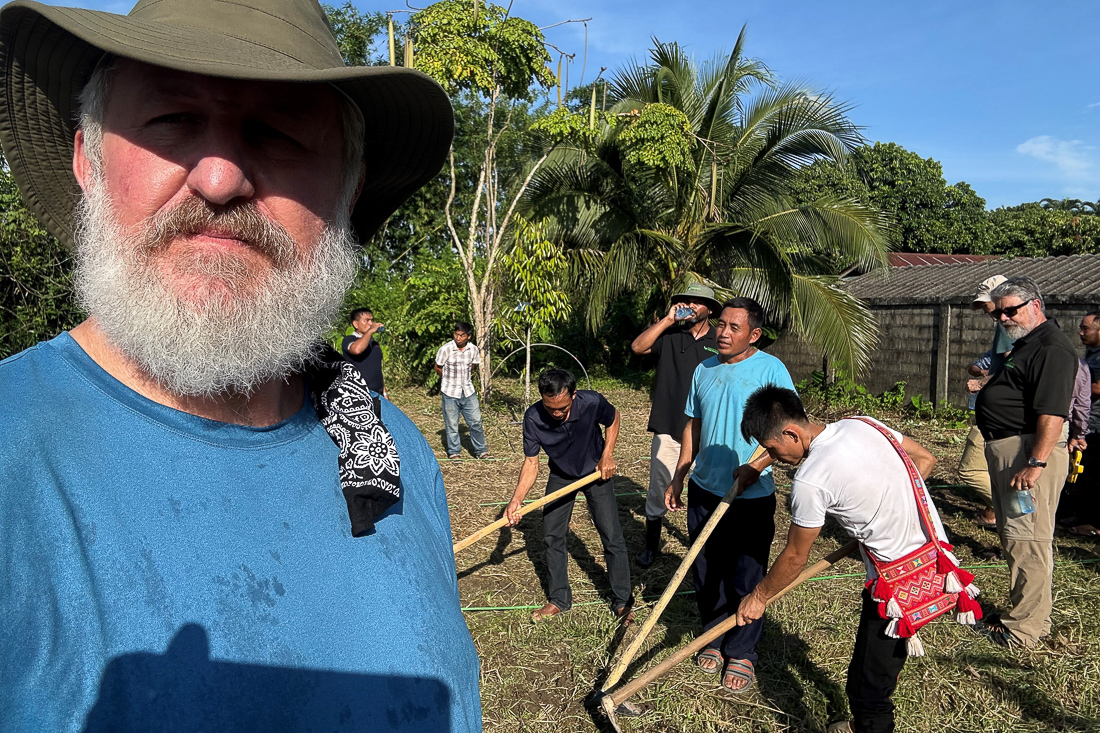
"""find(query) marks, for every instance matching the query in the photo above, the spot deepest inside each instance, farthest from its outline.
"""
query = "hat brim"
(48, 53)
(714, 306)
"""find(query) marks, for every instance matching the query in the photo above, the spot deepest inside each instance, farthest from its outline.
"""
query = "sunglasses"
(1010, 311)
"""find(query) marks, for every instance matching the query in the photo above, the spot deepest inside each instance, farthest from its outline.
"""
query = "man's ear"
(82, 167)
(791, 432)
(756, 334)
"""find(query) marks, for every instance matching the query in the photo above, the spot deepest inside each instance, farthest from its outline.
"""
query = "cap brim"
(48, 53)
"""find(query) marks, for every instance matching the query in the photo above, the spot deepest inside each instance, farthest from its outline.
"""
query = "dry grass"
(537, 677)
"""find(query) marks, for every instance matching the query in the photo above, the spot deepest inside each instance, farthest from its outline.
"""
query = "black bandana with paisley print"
(370, 469)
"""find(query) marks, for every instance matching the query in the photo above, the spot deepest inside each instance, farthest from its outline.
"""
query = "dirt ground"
(539, 676)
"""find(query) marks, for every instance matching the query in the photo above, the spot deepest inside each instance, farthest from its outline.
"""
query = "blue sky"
(1006, 95)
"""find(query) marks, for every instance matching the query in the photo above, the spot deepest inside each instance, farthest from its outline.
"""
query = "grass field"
(538, 677)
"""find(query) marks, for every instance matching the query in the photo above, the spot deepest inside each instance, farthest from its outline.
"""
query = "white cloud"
(1073, 158)
(1094, 105)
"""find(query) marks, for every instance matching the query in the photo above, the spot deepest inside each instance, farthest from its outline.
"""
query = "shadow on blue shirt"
(184, 690)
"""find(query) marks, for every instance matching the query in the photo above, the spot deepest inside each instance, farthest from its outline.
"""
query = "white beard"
(239, 329)
(1017, 332)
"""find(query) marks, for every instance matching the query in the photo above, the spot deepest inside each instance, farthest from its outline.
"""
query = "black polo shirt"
(678, 353)
(1036, 379)
(369, 363)
(574, 445)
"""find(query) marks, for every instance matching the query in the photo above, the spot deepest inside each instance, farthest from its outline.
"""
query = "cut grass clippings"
(537, 677)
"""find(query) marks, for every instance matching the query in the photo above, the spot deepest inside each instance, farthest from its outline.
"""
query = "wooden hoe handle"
(628, 690)
(674, 584)
(579, 483)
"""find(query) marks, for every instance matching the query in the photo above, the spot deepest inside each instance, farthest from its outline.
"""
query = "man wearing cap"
(681, 343)
(973, 470)
(207, 521)
(1022, 413)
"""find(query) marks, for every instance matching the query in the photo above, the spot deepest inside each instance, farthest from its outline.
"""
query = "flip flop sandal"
(1083, 530)
(710, 655)
(741, 669)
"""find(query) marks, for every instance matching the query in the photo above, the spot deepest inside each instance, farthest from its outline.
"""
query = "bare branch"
(575, 20)
(498, 236)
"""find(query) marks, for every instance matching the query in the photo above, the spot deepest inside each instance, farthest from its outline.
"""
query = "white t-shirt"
(853, 473)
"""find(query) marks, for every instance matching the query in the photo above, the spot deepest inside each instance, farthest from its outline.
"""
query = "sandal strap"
(742, 668)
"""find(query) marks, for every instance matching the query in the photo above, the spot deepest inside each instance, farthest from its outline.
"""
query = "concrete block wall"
(929, 347)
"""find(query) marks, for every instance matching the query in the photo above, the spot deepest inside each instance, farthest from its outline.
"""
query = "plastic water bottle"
(1019, 503)
(972, 401)
(683, 313)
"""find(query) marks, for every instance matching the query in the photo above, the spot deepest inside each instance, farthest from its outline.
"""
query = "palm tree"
(689, 179)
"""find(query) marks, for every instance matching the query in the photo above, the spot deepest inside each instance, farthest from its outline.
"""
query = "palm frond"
(834, 320)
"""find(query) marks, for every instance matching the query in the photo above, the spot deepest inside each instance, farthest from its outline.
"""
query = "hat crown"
(298, 29)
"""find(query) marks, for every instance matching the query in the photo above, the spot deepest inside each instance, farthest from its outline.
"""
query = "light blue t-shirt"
(717, 397)
(163, 572)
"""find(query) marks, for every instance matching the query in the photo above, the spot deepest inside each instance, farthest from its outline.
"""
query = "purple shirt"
(1079, 406)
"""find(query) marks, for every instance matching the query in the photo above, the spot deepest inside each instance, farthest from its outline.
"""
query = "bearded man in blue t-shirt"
(735, 557)
(207, 522)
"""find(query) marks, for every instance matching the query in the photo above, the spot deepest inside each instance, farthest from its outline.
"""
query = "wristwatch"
(1033, 462)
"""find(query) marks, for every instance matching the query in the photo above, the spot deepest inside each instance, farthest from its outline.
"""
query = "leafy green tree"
(495, 62)
(690, 178)
(927, 214)
(1030, 230)
(357, 34)
(36, 293)
(535, 266)
(1073, 206)
(931, 216)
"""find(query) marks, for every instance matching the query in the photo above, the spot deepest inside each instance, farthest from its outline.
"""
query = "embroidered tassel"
(944, 564)
(892, 629)
(966, 618)
(914, 647)
(951, 583)
(972, 590)
(883, 590)
(967, 605)
(964, 577)
(893, 610)
(905, 628)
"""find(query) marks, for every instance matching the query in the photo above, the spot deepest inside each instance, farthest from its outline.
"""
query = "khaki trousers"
(664, 452)
(1027, 541)
(973, 470)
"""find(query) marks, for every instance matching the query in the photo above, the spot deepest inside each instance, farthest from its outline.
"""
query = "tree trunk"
(527, 371)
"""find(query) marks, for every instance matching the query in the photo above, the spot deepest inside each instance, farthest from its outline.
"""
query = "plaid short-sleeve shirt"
(457, 365)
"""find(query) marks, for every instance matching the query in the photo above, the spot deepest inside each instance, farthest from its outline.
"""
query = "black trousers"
(555, 527)
(732, 562)
(873, 672)
(1082, 499)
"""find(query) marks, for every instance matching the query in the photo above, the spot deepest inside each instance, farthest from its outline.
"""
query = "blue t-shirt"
(717, 397)
(165, 572)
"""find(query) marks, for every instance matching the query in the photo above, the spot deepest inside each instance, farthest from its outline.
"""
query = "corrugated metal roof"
(920, 259)
(1069, 279)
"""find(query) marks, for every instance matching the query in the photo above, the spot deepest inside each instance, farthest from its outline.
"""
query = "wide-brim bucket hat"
(700, 294)
(47, 55)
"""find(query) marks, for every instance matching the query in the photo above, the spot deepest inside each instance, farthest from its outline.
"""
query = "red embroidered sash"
(926, 583)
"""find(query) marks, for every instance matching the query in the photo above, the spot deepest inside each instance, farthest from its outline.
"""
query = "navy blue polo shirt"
(574, 445)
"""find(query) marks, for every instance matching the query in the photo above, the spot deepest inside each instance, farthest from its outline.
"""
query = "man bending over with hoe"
(566, 424)
(871, 480)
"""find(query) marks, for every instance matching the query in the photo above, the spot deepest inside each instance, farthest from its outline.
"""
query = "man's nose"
(223, 173)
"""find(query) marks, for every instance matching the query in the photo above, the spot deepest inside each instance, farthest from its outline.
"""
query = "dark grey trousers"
(605, 515)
